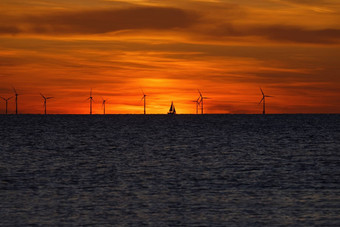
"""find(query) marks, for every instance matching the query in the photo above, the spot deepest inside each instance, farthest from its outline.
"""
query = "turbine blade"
(268, 96)
(3, 98)
(42, 96)
(15, 91)
(262, 91)
(199, 92)
(261, 100)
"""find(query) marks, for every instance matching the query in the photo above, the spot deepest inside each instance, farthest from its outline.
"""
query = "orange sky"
(171, 48)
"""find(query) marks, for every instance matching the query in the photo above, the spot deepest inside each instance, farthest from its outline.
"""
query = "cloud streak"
(298, 35)
(278, 33)
(192, 24)
(162, 19)
(109, 20)
(9, 30)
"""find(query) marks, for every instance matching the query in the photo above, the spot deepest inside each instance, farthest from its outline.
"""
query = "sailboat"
(172, 109)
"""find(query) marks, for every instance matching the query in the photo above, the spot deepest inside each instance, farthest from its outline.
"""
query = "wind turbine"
(197, 103)
(6, 100)
(16, 100)
(45, 99)
(144, 97)
(103, 104)
(201, 100)
(91, 99)
(264, 101)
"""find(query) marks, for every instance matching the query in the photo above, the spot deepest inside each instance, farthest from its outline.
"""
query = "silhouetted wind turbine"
(91, 99)
(197, 104)
(45, 99)
(16, 100)
(201, 100)
(144, 97)
(103, 104)
(6, 100)
(264, 101)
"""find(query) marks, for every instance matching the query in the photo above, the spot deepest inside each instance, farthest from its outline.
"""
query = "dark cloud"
(158, 18)
(299, 35)
(9, 30)
(307, 2)
(280, 33)
(110, 20)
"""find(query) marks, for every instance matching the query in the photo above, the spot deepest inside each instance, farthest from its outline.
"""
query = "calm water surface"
(159, 170)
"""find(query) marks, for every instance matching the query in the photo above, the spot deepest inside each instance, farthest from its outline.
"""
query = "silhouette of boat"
(172, 109)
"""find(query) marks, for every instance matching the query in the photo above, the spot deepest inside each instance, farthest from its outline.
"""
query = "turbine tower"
(91, 99)
(45, 99)
(144, 98)
(103, 104)
(6, 100)
(201, 100)
(264, 101)
(16, 100)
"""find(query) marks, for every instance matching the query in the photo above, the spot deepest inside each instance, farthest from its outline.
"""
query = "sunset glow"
(227, 49)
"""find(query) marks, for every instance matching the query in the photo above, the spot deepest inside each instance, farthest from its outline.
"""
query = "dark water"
(159, 170)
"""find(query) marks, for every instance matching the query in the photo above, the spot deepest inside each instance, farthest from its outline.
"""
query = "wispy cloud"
(190, 24)
(101, 21)
(279, 33)
(9, 30)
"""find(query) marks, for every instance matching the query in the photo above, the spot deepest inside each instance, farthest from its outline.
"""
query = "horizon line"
(179, 114)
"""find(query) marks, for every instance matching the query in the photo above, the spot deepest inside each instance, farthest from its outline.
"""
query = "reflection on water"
(160, 170)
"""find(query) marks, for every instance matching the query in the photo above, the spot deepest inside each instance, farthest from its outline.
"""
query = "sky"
(170, 49)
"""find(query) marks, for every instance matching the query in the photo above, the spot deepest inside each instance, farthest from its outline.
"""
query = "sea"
(170, 170)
